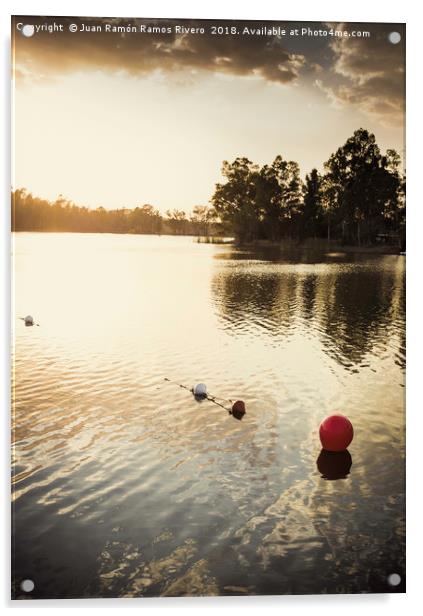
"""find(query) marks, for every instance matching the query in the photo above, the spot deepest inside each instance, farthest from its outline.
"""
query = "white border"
(300, 10)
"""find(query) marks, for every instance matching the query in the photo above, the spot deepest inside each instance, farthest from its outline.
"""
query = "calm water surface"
(124, 485)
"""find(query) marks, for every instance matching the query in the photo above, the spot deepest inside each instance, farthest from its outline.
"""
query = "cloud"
(136, 53)
(365, 73)
(369, 72)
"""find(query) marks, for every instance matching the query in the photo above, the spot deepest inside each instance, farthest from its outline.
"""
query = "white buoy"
(29, 320)
(200, 390)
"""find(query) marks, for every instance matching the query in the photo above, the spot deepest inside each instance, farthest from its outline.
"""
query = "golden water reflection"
(124, 485)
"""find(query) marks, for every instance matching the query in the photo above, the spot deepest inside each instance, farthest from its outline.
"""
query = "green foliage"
(362, 189)
(359, 198)
(258, 202)
(313, 209)
(235, 201)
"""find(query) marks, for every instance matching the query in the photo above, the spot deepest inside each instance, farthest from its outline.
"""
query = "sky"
(119, 119)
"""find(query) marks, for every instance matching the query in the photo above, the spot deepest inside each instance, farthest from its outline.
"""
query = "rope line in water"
(213, 399)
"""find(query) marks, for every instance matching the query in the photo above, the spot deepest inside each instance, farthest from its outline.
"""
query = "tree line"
(359, 198)
(31, 213)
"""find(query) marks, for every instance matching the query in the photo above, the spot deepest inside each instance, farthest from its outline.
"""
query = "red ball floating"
(336, 433)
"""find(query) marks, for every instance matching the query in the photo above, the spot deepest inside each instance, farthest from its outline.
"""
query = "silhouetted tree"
(268, 202)
(360, 186)
(202, 219)
(289, 194)
(145, 219)
(360, 197)
(177, 222)
(235, 201)
(312, 219)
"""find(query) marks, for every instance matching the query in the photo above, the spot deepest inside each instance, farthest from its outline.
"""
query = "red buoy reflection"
(334, 464)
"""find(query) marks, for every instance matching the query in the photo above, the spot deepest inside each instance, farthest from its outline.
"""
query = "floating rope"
(199, 391)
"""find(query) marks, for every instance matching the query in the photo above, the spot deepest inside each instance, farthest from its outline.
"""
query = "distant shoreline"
(323, 244)
(308, 243)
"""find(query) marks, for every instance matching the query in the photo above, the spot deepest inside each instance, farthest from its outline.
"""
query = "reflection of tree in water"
(308, 293)
(354, 308)
(398, 311)
(249, 301)
(356, 315)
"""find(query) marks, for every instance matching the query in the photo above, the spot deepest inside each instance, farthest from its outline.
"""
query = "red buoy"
(336, 433)
(238, 409)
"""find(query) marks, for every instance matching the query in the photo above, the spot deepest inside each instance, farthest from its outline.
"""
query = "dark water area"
(125, 486)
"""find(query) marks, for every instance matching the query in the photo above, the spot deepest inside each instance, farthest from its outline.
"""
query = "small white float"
(200, 390)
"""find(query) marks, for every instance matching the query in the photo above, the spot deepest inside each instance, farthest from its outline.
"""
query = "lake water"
(124, 485)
